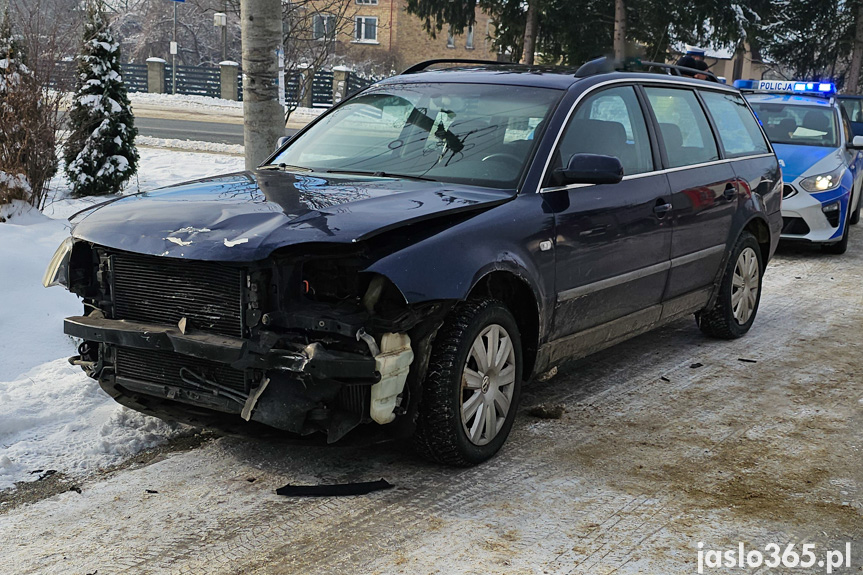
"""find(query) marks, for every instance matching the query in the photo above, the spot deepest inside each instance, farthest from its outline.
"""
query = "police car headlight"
(58, 269)
(823, 182)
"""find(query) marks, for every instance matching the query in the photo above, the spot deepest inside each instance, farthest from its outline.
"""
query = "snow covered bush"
(100, 153)
(27, 136)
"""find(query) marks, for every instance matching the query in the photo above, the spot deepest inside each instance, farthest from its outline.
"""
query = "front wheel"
(472, 386)
(739, 292)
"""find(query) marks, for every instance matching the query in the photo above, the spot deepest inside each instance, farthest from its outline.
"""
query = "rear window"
(686, 134)
(738, 129)
(797, 124)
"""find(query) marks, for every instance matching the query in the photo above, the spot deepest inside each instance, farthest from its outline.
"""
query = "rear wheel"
(472, 387)
(739, 292)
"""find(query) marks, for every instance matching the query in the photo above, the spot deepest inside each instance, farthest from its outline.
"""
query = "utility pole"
(263, 122)
(225, 32)
(619, 30)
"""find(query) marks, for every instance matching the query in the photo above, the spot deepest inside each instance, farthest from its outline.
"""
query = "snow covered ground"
(51, 415)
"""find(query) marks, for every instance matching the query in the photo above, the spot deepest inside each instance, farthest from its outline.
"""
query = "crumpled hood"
(246, 215)
(798, 160)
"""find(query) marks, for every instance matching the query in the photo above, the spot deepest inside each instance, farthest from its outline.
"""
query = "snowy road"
(668, 440)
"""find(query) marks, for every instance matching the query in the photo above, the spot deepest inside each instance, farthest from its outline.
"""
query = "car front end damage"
(303, 341)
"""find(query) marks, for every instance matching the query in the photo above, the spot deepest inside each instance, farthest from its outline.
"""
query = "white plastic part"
(393, 363)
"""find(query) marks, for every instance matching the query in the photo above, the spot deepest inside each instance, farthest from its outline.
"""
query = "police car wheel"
(855, 217)
(739, 294)
(840, 247)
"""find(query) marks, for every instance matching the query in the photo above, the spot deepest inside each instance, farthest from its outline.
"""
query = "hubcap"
(487, 384)
(744, 285)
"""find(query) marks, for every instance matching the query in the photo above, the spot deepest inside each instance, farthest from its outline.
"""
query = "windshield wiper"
(284, 167)
(380, 174)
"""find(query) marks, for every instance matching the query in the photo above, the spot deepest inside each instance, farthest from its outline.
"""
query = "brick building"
(383, 34)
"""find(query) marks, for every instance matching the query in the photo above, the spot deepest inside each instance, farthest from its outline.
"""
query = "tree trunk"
(263, 121)
(530, 29)
(619, 30)
(853, 83)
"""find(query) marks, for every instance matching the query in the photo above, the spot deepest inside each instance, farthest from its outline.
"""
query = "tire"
(724, 319)
(841, 246)
(454, 424)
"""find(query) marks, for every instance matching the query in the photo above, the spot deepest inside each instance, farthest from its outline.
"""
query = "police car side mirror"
(856, 143)
(590, 169)
(282, 141)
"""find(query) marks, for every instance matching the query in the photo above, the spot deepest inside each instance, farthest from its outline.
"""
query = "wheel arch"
(760, 229)
(514, 291)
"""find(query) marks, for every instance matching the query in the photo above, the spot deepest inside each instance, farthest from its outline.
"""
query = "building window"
(323, 26)
(450, 39)
(468, 42)
(366, 29)
(368, 2)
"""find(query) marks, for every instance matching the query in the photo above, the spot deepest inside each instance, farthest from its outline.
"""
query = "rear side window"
(738, 129)
(609, 123)
(686, 134)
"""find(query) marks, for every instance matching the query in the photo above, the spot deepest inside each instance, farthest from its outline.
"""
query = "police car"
(822, 166)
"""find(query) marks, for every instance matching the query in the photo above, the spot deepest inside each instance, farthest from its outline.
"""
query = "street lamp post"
(174, 50)
(220, 20)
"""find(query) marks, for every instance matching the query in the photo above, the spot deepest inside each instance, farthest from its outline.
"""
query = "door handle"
(730, 192)
(661, 209)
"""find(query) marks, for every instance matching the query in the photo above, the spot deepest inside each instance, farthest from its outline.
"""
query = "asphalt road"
(192, 130)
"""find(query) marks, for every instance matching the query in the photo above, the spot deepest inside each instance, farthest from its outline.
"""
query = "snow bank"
(52, 416)
(55, 417)
(181, 101)
(192, 145)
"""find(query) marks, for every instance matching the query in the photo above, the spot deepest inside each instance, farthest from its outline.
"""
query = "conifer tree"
(100, 153)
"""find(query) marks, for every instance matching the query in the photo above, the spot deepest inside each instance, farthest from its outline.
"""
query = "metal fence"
(194, 81)
(206, 81)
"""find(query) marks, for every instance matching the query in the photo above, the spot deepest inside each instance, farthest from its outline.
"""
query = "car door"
(703, 187)
(612, 242)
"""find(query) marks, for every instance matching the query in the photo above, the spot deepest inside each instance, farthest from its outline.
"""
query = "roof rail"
(419, 67)
(605, 65)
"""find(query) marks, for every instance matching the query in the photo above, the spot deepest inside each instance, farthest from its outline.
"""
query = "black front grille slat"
(164, 367)
(163, 291)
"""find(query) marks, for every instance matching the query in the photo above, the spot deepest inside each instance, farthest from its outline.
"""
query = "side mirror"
(590, 169)
(856, 143)
(282, 141)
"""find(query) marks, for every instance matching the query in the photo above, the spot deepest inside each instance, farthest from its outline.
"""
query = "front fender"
(447, 265)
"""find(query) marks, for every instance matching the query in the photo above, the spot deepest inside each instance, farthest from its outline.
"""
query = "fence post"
(228, 77)
(155, 75)
(340, 83)
(305, 98)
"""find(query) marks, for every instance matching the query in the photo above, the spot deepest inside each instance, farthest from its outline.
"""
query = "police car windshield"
(475, 134)
(798, 125)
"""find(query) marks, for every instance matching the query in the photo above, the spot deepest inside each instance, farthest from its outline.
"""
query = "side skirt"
(589, 341)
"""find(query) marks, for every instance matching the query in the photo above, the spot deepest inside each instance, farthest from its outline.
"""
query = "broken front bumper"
(294, 387)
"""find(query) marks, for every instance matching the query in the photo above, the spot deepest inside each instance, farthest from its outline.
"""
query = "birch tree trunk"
(263, 121)
(853, 84)
(619, 30)
(530, 30)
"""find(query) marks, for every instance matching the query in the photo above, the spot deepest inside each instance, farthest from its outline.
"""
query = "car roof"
(555, 77)
(792, 99)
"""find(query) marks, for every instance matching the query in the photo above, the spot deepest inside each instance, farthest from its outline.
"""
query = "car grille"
(163, 291)
(794, 226)
(164, 367)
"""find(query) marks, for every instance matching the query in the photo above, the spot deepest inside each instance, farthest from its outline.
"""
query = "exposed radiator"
(162, 291)
(164, 368)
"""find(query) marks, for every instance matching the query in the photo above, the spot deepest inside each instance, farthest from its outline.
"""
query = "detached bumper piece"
(298, 388)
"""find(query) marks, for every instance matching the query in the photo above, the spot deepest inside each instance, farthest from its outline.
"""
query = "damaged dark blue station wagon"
(412, 256)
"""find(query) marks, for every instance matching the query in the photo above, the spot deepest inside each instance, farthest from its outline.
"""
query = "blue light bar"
(781, 87)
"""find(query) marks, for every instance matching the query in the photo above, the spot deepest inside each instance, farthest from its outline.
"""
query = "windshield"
(476, 134)
(798, 125)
